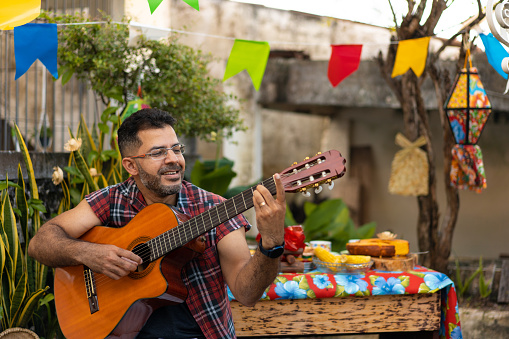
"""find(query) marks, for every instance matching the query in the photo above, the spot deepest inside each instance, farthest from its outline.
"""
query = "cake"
(379, 247)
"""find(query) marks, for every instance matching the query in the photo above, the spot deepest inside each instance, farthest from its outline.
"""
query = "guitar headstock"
(313, 172)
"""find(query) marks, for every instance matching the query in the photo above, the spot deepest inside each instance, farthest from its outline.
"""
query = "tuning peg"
(331, 185)
(318, 189)
(305, 192)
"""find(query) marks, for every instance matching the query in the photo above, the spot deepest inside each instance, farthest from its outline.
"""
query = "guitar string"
(222, 216)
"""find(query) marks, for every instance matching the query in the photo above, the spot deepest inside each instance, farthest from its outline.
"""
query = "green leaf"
(212, 179)
(365, 231)
(21, 202)
(104, 127)
(5, 184)
(30, 307)
(73, 171)
(18, 298)
(107, 113)
(28, 164)
(65, 74)
(11, 234)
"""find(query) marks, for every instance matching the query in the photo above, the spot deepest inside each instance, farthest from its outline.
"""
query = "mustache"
(170, 168)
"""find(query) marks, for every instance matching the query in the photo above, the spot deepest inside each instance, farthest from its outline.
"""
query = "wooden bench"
(411, 315)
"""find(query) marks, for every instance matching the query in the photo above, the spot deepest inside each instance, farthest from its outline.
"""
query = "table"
(421, 301)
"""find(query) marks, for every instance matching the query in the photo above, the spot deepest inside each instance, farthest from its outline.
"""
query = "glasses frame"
(150, 156)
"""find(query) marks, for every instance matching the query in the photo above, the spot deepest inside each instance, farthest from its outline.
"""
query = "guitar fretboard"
(215, 216)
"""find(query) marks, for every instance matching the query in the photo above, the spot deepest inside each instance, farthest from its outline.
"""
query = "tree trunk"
(433, 238)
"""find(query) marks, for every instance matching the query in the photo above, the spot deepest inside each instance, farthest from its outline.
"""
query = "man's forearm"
(255, 277)
(53, 247)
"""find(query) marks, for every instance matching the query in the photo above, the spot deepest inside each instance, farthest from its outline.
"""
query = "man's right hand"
(110, 260)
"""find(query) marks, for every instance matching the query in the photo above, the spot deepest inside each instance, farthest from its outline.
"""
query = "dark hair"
(146, 118)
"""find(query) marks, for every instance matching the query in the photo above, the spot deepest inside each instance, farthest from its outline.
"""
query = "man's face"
(163, 177)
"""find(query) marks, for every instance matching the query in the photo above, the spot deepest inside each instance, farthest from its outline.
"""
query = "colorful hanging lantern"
(467, 109)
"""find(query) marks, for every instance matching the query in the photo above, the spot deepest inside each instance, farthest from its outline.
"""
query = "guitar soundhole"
(143, 251)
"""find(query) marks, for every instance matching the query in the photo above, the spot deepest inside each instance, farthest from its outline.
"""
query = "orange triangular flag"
(411, 54)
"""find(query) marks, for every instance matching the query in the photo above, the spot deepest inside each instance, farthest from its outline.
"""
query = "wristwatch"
(274, 252)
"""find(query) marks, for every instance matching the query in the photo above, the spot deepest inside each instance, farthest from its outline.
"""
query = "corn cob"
(357, 259)
(326, 256)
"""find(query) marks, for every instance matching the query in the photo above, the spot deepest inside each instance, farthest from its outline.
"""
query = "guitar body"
(124, 305)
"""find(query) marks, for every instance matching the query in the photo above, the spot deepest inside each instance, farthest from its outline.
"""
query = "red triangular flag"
(344, 61)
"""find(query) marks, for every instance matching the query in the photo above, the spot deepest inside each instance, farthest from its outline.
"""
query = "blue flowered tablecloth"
(317, 284)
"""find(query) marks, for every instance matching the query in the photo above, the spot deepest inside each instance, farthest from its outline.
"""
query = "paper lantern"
(468, 107)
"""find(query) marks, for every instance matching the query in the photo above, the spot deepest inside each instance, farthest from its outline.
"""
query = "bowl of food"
(342, 267)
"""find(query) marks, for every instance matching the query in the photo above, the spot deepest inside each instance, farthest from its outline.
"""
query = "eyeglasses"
(161, 153)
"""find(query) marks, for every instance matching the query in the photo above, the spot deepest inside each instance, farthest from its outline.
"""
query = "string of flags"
(40, 41)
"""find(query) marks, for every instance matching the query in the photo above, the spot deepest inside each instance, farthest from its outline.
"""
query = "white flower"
(93, 172)
(73, 145)
(386, 235)
(58, 175)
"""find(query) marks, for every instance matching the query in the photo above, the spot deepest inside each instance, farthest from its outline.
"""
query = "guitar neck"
(215, 216)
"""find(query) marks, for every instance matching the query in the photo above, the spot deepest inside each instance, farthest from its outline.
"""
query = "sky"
(375, 12)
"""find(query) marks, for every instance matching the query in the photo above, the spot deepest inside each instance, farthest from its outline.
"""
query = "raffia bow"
(409, 170)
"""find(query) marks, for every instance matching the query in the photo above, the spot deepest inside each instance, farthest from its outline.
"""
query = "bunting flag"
(136, 30)
(36, 41)
(153, 4)
(193, 3)
(344, 61)
(15, 13)
(495, 52)
(248, 55)
(411, 54)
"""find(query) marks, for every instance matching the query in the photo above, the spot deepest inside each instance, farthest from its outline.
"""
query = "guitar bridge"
(93, 302)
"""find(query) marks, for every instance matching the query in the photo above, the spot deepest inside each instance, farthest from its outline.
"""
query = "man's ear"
(130, 166)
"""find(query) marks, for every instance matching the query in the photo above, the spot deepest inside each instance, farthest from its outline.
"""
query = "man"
(153, 156)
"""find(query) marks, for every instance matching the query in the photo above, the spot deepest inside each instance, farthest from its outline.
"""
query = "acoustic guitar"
(91, 305)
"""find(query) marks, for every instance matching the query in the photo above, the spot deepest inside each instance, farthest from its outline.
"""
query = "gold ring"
(262, 203)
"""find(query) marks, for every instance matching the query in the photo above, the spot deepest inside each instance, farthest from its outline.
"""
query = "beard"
(153, 182)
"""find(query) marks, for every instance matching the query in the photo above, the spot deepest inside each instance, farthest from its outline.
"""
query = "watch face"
(274, 252)
(277, 252)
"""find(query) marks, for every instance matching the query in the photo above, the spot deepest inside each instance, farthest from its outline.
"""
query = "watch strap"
(274, 252)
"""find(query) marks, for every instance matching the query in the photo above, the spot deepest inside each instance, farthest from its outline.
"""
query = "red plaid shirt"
(207, 298)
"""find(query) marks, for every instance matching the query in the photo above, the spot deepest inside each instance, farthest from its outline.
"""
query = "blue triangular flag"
(36, 41)
(495, 52)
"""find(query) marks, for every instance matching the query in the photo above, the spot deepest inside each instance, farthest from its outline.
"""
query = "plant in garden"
(24, 300)
(173, 77)
(330, 220)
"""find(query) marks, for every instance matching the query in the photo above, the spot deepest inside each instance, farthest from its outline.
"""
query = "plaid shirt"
(207, 298)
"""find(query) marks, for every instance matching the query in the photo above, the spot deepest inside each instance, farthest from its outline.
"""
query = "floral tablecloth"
(317, 284)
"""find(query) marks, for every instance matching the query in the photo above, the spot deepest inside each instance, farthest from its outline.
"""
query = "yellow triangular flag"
(411, 54)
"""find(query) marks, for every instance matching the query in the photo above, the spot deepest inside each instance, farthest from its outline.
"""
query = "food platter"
(342, 268)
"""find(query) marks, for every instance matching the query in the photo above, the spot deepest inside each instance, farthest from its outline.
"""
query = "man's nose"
(170, 156)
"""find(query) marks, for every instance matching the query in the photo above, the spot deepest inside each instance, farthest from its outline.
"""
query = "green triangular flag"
(153, 4)
(248, 55)
(193, 3)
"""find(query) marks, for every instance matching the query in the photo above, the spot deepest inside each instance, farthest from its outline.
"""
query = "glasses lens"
(179, 149)
(158, 154)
